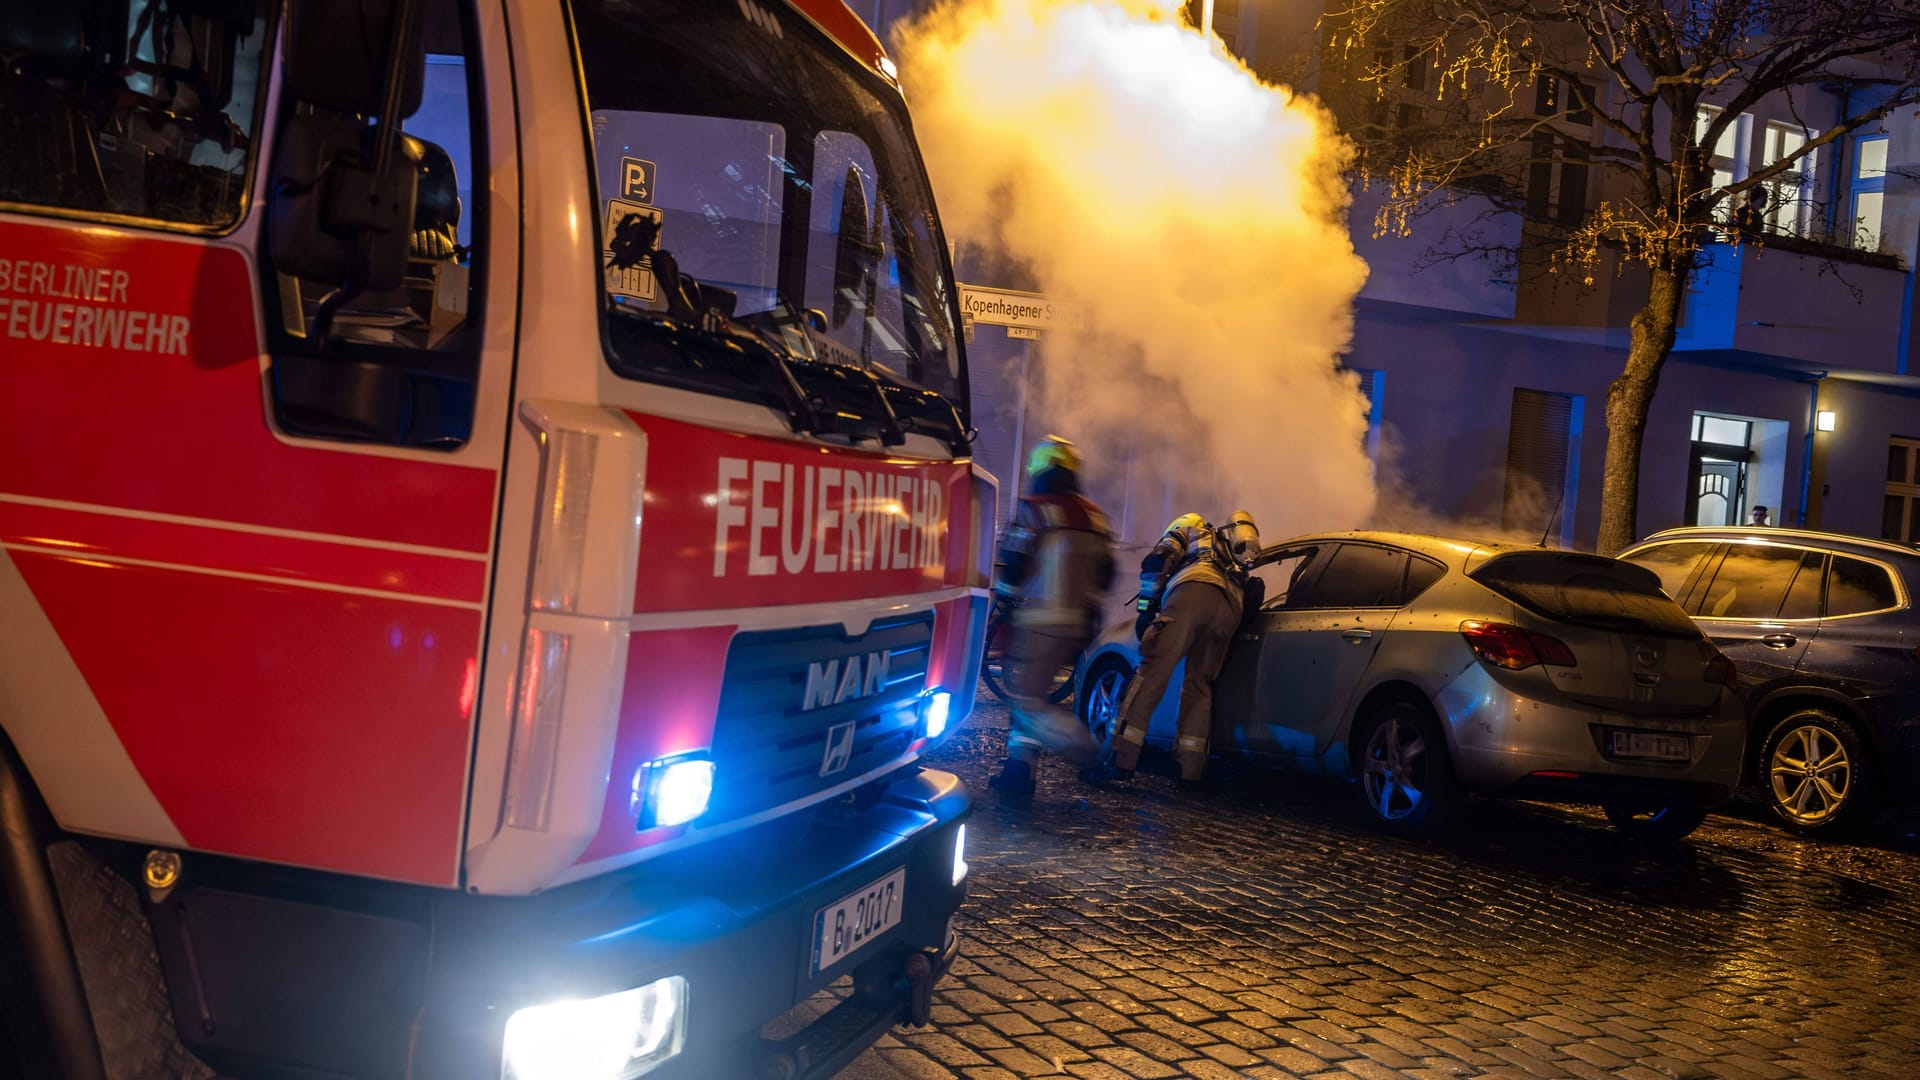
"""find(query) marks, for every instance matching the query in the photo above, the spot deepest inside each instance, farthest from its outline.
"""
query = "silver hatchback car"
(1426, 668)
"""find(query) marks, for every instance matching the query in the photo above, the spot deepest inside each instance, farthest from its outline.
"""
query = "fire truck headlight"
(616, 1037)
(672, 791)
(937, 707)
(959, 854)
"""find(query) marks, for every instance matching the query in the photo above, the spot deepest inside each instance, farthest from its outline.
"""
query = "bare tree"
(1446, 98)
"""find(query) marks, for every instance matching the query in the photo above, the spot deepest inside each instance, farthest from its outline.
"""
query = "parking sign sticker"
(636, 179)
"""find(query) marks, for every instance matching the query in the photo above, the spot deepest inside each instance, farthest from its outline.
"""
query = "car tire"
(1102, 690)
(1814, 771)
(1655, 823)
(1406, 778)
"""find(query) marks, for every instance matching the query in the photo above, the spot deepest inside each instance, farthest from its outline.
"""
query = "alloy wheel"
(1394, 776)
(1104, 696)
(1811, 774)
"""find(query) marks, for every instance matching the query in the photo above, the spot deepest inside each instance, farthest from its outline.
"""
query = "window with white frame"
(1724, 154)
(1789, 202)
(1869, 192)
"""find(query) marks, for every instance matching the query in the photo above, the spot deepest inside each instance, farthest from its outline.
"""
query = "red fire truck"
(487, 535)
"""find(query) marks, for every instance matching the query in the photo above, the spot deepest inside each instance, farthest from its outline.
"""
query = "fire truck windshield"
(752, 178)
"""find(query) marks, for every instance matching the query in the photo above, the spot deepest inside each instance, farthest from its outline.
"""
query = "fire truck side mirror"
(342, 199)
(337, 55)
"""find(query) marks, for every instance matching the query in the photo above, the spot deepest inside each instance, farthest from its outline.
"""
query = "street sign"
(635, 281)
(1031, 311)
(1023, 332)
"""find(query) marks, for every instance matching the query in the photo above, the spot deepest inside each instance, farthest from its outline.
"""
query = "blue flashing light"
(938, 707)
(677, 790)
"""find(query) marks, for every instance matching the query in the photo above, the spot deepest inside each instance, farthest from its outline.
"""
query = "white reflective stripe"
(1131, 735)
(241, 575)
(62, 733)
(234, 526)
(854, 616)
(1023, 740)
(1190, 742)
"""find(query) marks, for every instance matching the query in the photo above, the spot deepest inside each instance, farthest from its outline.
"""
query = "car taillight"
(1720, 670)
(1508, 646)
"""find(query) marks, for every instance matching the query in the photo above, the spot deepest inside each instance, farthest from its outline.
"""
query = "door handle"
(1778, 641)
(1356, 636)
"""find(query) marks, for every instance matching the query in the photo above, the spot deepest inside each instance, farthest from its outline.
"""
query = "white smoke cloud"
(1199, 216)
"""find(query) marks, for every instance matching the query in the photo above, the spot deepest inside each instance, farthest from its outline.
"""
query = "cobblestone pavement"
(1260, 928)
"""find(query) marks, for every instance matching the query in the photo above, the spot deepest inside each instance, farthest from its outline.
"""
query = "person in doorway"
(1203, 573)
(1760, 516)
(1056, 565)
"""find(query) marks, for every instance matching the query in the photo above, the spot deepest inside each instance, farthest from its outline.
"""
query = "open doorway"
(1717, 471)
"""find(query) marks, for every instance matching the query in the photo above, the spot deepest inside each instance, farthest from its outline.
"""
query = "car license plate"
(1642, 744)
(842, 927)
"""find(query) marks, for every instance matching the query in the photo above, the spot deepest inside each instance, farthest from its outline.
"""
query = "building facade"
(1792, 385)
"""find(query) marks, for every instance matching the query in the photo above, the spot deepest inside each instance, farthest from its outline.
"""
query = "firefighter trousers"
(1034, 658)
(1197, 625)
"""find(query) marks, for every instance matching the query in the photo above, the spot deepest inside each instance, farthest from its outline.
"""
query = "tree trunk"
(1630, 397)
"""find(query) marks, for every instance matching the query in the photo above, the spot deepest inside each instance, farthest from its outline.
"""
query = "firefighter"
(1202, 574)
(1056, 565)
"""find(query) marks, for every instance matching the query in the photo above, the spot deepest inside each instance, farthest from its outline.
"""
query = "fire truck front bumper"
(703, 963)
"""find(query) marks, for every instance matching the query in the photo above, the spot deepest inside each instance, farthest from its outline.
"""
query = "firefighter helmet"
(1053, 452)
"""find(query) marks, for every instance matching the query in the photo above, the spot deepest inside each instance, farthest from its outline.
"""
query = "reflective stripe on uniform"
(1190, 742)
(1024, 741)
(1130, 735)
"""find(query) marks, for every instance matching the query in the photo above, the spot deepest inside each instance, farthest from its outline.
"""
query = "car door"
(1279, 572)
(1314, 648)
(1866, 644)
(1760, 603)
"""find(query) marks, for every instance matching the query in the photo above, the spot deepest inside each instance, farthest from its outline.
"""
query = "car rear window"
(1749, 583)
(1586, 589)
(1859, 586)
(1673, 563)
(1360, 575)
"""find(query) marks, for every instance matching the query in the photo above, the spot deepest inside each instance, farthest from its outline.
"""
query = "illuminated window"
(1789, 194)
(1869, 191)
(1724, 153)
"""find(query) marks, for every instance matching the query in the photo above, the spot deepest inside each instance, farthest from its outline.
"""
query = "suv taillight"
(1507, 646)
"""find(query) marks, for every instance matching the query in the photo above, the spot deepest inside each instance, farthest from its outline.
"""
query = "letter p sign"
(636, 180)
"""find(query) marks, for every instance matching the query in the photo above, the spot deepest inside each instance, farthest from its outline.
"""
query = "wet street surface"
(1260, 928)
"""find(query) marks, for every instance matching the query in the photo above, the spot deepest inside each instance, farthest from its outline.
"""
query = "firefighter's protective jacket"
(1057, 558)
(1190, 551)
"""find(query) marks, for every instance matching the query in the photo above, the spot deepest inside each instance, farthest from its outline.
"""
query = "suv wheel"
(1813, 768)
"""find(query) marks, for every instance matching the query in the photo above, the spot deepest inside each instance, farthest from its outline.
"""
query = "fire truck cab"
(487, 536)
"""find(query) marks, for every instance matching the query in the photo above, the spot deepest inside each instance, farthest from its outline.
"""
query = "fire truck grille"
(805, 709)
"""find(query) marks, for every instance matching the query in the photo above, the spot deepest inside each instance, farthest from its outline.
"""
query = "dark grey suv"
(1824, 631)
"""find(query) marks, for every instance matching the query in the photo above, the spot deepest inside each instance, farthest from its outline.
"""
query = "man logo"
(839, 748)
(830, 682)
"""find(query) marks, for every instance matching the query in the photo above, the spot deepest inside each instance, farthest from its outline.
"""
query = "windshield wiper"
(692, 342)
(659, 348)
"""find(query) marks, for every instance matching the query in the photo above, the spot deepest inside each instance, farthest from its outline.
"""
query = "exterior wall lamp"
(1824, 420)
